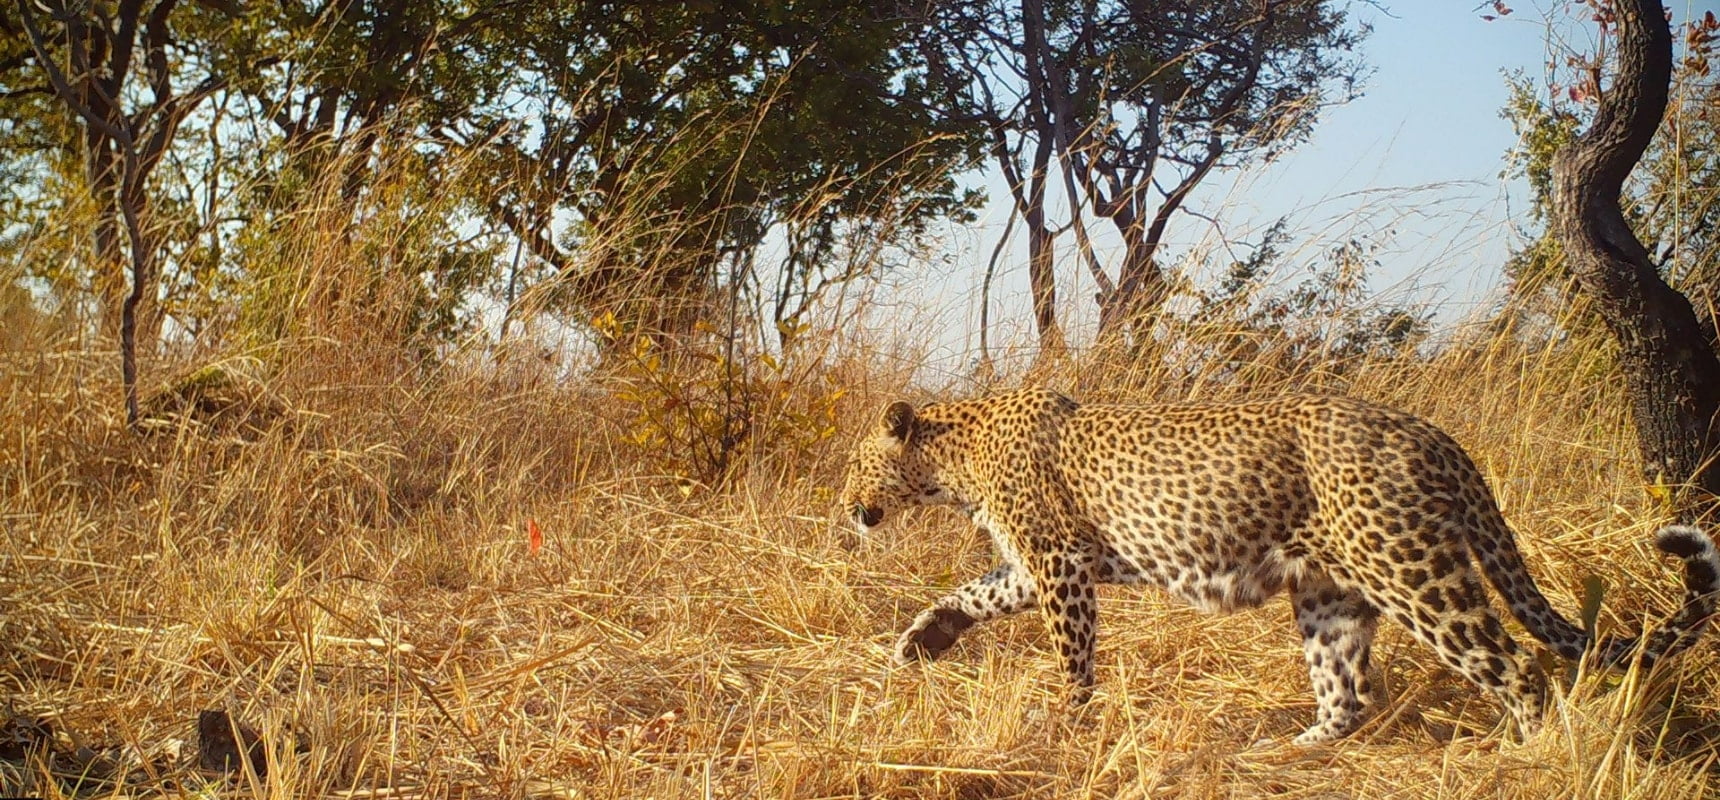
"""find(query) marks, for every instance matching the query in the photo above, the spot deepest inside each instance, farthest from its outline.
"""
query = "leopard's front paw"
(933, 632)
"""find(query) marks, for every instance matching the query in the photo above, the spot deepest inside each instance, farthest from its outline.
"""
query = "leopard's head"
(888, 470)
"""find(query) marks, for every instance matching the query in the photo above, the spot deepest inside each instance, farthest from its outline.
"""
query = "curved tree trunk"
(1669, 368)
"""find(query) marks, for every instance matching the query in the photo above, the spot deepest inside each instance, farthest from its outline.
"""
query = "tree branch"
(26, 91)
(63, 87)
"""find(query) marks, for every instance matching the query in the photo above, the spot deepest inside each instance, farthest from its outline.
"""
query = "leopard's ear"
(898, 420)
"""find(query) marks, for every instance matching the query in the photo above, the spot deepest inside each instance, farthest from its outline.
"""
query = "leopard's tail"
(1503, 564)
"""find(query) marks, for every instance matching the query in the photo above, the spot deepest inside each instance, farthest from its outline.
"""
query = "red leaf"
(534, 536)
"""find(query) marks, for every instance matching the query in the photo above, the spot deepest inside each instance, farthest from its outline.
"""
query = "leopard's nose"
(869, 517)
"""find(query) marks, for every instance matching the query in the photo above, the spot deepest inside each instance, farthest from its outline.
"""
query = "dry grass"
(355, 581)
(341, 559)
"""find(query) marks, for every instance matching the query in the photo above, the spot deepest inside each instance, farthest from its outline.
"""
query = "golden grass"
(355, 581)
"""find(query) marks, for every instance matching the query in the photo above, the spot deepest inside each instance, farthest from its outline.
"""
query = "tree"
(1139, 103)
(1671, 201)
(334, 78)
(1671, 374)
(102, 45)
(640, 156)
(672, 140)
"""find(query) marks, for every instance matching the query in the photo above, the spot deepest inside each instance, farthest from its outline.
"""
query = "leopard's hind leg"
(1447, 609)
(1337, 627)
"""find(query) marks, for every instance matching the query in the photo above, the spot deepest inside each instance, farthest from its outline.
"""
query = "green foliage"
(1541, 131)
(633, 150)
(677, 135)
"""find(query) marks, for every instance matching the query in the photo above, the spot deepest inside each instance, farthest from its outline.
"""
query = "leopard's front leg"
(1005, 590)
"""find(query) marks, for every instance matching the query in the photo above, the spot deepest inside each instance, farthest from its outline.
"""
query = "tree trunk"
(107, 266)
(1041, 242)
(1670, 370)
(1141, 287)
(121, 150)
(1042, 279)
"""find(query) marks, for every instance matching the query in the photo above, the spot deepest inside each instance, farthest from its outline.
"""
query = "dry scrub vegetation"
(422, 568)
(342, 560)
(330, 539)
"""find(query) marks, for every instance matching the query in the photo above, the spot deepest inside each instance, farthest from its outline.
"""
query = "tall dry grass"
(331, 542)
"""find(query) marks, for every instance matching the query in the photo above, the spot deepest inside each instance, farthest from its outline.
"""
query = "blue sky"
(1414, 163)
(1430, 116)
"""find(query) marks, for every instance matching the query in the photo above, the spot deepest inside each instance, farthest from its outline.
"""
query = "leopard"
(1356, 510)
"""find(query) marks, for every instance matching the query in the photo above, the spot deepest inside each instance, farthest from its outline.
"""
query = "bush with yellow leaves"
(701, 407)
